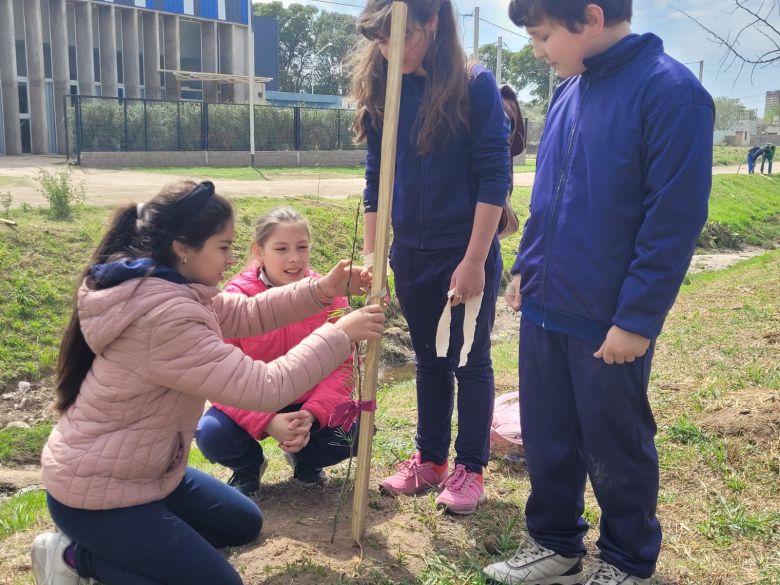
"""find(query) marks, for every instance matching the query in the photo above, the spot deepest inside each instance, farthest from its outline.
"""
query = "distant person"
(768, 156)
(622, 184)
(752, 156)
(143, 352)
(229, 435)
(452, 177)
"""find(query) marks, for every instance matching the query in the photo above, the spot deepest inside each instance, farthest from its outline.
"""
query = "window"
(24, 128)
(21, 47)
(46, 23)
(24, 98)
(72, 57)
(96, 42)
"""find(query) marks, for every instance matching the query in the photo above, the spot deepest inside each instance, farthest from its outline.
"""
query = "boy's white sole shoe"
(606, 574)
(48, 564)
(533, 564)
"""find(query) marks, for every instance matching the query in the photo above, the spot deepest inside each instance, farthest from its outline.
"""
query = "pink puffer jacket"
(325, 396)
(159, 356)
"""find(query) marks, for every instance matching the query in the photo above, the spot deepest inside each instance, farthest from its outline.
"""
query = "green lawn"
(714, 391)
(253, 174)
(729, 155)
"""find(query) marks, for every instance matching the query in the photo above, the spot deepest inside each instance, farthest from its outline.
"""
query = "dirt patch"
(752, 414)
(30, 406)
(13, 480)
(721, 260)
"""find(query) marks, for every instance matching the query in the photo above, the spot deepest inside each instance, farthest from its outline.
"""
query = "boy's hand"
(621, 346)
(512, 294)
(467, 281)
(288, 426)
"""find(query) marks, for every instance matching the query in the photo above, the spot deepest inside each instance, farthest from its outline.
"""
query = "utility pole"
(499, 60)
(250, 52)
(476, 33)
(701, 71)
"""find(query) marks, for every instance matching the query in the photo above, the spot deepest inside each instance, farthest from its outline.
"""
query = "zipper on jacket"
(553, 213)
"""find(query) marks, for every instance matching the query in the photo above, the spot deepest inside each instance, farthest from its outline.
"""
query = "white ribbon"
(469, 327)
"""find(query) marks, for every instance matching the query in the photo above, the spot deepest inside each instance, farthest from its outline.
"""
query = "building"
(120, 48)
(772, 104)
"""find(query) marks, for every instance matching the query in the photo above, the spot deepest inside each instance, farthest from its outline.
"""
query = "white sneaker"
(48, 563)
(606, 574)
(535, 565)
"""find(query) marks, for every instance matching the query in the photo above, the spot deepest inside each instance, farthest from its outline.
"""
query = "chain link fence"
(103, 124)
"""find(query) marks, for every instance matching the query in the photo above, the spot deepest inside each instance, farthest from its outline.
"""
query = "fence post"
(146, 130)
(124, 100)
(338, 129)
(178, 125)
(204, 125)
(79, 129)
(65, 97)
(296, 128)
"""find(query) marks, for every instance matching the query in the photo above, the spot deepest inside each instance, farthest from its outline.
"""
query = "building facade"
(121, 48)
(772, 104)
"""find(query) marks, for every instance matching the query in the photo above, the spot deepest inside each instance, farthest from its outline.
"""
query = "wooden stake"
(382, 243)
(7, 221)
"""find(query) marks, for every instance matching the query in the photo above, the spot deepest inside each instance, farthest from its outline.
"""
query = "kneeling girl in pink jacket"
(229, 435)
(143, 352)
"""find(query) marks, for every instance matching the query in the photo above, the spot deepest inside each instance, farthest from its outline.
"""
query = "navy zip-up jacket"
(623, 177)
(435, 195)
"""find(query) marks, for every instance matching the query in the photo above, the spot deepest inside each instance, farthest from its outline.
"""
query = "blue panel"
(208, 9)
(244, 11)
(176, 6)
(267, 49)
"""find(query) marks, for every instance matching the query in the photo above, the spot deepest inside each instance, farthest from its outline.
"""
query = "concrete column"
(172, 53)
(151, 25)
(209, 51)
(225, 40)
(13, 136)
(108, 73)
(84, 46)
(130, 53)
(39, 127)
(240, 91)
(60, 65)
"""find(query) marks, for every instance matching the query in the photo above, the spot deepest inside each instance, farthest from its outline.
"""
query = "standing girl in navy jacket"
(452, 178)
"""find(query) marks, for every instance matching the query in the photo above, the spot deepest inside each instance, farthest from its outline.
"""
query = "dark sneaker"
(307, 475)
(248, 481)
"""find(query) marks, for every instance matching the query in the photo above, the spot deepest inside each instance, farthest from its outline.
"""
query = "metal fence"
(104, 124)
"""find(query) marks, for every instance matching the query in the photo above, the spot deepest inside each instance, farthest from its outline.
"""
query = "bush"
(62, 193)
(6, 199)
(719, 235)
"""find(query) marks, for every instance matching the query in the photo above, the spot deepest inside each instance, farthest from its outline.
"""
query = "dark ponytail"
(184, 211)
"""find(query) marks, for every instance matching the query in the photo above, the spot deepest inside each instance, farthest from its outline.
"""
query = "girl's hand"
(288, 426)
(296, 444)
(512, 294)
(467, 281)
(342, 280)
(621, 346)
(366, 323)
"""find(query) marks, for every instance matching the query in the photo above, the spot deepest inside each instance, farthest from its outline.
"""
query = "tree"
(296, 41)
(761, 17)
(729, 111)
(521, 70)
(338, 33)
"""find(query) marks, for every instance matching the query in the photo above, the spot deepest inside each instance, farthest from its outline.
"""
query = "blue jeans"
(223, 441)
(172, 541)
(583, 418)
(422, 279)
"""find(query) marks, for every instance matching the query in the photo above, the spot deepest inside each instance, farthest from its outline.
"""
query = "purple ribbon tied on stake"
(346, 414)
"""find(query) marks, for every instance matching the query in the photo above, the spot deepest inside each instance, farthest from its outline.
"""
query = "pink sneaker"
(414, 476)
(463, 491)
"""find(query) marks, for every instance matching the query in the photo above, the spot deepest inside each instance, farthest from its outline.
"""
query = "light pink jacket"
(159, 356)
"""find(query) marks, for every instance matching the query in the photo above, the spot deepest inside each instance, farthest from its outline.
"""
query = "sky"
(683, 39)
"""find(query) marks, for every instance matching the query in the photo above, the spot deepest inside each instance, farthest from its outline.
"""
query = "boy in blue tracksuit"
(620, 196)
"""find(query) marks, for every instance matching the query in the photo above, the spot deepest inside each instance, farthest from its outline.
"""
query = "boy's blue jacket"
(435, 195)
(623, 178)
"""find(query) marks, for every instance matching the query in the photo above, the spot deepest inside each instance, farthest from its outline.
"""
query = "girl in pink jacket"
(143, 352)
(229, 435)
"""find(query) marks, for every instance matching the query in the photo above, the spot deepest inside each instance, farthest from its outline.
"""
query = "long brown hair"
(137, 231)
(445, 106)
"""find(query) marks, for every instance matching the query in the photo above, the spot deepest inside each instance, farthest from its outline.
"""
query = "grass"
(748, 205)
(253, 174)
(728, 155)
(720, 494)
(22, 445)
